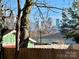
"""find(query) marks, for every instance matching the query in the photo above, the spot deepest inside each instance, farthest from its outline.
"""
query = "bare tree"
(24, 27)
(23, 20)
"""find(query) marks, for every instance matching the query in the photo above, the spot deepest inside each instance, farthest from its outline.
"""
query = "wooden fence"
(32, 53)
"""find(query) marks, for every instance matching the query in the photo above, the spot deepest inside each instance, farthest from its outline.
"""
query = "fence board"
(32, 53)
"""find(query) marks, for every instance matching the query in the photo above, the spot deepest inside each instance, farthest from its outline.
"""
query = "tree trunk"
(24, 28)
(77, 39)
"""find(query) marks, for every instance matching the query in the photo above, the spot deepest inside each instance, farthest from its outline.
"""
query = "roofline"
(14, 31)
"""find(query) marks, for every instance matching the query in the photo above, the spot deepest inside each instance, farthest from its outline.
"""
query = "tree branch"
(18, 26)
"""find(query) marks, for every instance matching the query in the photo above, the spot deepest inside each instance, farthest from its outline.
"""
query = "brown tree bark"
(18, 30)
(18, 26)
(24, 27)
